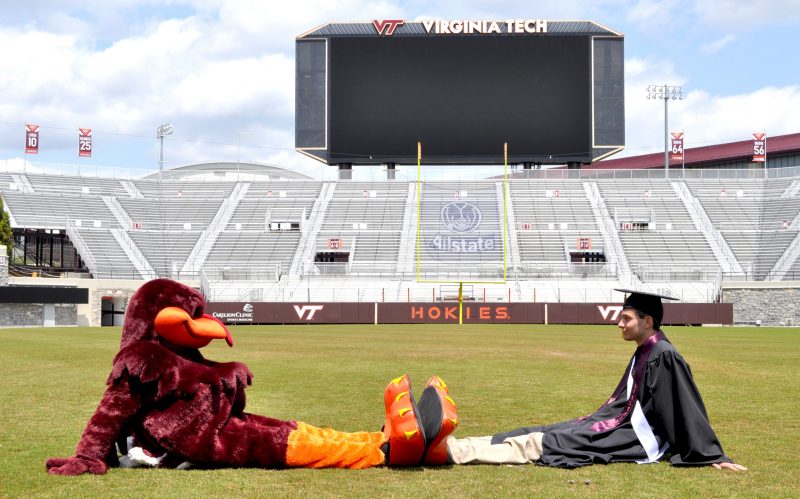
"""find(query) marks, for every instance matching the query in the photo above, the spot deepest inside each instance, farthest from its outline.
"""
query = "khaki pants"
(522, 449)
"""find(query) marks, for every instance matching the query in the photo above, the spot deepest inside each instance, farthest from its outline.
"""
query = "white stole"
(642, 428)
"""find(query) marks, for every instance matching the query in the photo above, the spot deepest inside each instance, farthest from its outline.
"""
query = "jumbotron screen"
(461, 97)
(368, 95)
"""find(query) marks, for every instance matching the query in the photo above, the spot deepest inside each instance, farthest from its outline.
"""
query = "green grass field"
(501, 377)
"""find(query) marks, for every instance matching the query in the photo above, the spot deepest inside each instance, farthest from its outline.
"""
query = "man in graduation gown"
(655, 413)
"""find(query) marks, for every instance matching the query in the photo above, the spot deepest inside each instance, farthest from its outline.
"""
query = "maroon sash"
(641, 355)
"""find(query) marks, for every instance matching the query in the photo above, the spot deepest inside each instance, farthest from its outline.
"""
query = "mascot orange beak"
(177, 326)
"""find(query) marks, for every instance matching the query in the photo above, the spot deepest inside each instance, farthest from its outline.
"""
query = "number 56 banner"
(759, 147)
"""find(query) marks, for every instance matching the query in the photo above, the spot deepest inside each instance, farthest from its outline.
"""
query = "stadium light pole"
(161, 132)
(238, 142)
(665, 92)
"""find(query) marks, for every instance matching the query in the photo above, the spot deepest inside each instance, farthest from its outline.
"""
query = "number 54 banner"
(85, 142)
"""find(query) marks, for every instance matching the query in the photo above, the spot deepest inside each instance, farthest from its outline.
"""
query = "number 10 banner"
(759, 147)
(85, 142)
(31, 139)
(677, 146)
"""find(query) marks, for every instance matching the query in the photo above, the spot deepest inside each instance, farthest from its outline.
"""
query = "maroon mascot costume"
(174, 408)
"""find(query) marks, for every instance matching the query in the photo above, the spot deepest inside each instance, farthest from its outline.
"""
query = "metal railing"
(242, 273)
(681, 273)
(475, 173)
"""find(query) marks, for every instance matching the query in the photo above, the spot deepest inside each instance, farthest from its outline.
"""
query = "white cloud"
(704, 117)
(213, 67)
(742, 15)
(717, 45)
(715, 119)
(651, 12)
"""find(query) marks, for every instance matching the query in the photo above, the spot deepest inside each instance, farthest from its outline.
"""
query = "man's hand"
(729, 466)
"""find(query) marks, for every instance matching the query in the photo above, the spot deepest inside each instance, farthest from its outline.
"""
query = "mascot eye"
(198, 313)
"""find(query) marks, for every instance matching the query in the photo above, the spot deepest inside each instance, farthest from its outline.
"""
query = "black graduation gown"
(671, 404)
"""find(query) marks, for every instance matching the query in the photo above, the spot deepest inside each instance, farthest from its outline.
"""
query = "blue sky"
(213, 68)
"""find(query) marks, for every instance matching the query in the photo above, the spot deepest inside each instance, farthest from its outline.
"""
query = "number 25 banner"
(31, 139)
(677, 146)
(85, 142)
(759, 147)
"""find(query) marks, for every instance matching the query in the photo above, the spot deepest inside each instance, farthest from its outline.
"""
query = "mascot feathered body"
(163, 395)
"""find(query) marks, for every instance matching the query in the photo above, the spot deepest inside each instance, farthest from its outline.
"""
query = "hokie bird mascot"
(166, 405)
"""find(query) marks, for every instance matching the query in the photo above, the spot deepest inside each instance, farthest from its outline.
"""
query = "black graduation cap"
(646, 302)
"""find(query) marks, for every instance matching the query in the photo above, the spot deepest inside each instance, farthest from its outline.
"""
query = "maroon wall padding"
(472, 313)
(608, 313)
(698, 313)
(447, 313)
(293, 313)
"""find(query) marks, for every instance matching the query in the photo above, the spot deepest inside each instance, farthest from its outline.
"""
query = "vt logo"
(306, 312)
(387, 26)
(611, 310)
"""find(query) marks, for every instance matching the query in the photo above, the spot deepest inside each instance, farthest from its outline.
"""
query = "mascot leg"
(312, 447)
(417, 433)
(403, 426)
(439, 419)
(250, 441)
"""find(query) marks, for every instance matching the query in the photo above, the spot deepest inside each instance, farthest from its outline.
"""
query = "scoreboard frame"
(324, 111)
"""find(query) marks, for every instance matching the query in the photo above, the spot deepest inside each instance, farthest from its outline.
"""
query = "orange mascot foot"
(403, 428)
(439, 417)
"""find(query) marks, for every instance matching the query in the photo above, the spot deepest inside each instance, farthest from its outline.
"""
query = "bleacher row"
(141, 228)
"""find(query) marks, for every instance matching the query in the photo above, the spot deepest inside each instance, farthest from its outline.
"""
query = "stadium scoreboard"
(366, 93)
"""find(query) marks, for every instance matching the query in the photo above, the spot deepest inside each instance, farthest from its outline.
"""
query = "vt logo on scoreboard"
(386, 27)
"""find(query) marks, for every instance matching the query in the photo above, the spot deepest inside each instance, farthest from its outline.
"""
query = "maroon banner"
(31, 139)
(447, 313)
(677, 146)
(759, 147)
(85, 142)
(608, 313)
(292, 313)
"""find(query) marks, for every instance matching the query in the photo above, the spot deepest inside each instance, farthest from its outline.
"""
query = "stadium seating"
(753, 216)
(276, 229)
(165, 250)
(49, 211)
(7, 183)
(107, 259)
(63, 184)
(366, 220)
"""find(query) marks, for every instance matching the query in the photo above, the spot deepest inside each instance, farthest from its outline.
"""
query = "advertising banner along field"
(448, 312)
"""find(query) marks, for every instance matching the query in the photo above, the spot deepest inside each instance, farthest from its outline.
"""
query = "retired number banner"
(677, 146)
(85, 142)
(31, 139)
(759, 147)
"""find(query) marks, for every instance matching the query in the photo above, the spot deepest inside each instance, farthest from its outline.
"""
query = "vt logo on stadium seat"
(306, 312)
(387, 26)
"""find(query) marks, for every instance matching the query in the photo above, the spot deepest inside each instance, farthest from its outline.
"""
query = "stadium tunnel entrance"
(112, 310)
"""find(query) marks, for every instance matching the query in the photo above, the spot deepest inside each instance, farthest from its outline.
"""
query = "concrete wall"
(771, 303)
(32, 314)
(21, 314)
(90, 314)
(66, 314)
